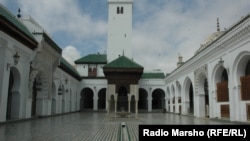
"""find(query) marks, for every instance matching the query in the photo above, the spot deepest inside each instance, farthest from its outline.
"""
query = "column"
(129, 103)
(150, 104)
(108, 105)
(115, 105)
(107, 100)
(95, 108)
(136, 108)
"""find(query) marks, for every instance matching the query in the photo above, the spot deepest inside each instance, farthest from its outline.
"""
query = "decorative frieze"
(236, 38)
(3, 42)
(201, 70)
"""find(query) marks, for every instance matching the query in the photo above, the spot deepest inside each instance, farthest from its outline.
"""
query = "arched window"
(118, 10)
(224, 76)
(90, 69)
(121, 10)
(248, 68)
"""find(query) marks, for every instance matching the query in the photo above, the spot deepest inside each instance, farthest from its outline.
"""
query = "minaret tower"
(119, 29)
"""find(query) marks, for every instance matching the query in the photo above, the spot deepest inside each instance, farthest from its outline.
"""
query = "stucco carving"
(236, 38)
(199, 74)
(3, 42)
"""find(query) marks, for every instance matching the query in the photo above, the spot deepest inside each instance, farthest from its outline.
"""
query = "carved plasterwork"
(3, 42)
(236, 38)
(199, 73)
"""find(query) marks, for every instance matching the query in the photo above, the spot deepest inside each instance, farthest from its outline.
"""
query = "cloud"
(71, 54)
(69, 22)
(64, 16)
(163, 29)
(2, 1)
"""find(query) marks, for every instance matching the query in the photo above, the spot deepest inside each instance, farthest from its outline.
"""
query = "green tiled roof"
(52, 43)
(93, 59)
(152, 75)
(123, 62)
(66, 66)
(5, 13)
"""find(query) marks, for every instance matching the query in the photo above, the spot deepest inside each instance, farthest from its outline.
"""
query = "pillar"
(150, 104)
(95, 108)
(129, 103)
(136, 108)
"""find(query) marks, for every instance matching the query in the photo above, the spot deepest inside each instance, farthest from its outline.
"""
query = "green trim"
(123, 62)
(15, 26)
(153, 75)
(66, 66)
(52, 43)
(5, 13)
(93, 59)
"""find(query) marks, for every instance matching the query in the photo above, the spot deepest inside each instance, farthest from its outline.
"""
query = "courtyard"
(92, 126)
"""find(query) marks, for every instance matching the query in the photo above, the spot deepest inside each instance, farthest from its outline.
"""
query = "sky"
(162, 29)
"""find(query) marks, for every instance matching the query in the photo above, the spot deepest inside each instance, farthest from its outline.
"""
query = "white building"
(119, 28)
(215, 81)
(35, 80)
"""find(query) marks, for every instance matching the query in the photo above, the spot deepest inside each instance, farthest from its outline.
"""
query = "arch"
(178, 96)
(241, 75)
(221, 81)
(17, 76)
(222, 93)
(102, 98)
(61, 90)
(241, 62)
(14, 99)
(188, 95)
(40, 89)
(178, 87)
(158, 101)
(143, 100)
(122, 99)
(41, 74)
(202, 91)
(86, 99)
(220, 75)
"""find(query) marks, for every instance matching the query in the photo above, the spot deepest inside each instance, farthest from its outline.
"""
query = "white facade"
(30, 88)
(191, 89)
(83, 69)
(19, 92)
(119, 29)
(229, 53)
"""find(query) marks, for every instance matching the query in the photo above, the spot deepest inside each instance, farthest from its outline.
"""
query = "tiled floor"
(89, 126)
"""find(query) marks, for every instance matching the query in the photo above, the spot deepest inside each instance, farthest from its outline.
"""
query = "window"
(119, 10)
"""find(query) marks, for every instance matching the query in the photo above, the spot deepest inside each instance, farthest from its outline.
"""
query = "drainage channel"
(124, 134)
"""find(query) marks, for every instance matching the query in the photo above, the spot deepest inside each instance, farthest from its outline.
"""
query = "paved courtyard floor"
(90, 126)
